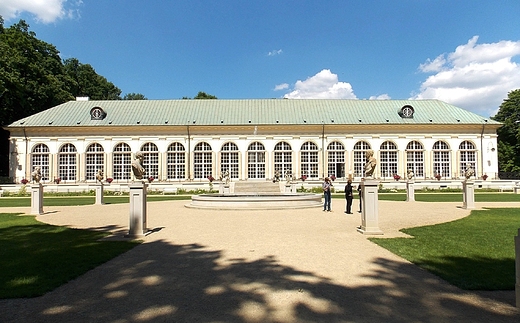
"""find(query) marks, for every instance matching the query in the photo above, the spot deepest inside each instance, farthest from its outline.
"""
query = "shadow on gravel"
(161, 282)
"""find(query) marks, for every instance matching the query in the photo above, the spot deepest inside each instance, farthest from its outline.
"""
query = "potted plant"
(303, 178)
(211, 179)
(109, 180)
(438, 176)
(24, 181)
(397, 177)
(484, 177)
(150, 179)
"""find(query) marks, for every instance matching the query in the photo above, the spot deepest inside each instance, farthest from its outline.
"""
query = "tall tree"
(509, 133)
(84, 81)
(134, 96)
(201, 96)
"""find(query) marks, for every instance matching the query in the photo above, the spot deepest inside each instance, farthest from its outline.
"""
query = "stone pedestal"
(137, 210)
(410, 191)
(37, 199)
(226, 189)
(468, 194)
(100, 199)
(369, 210)
(517, 266)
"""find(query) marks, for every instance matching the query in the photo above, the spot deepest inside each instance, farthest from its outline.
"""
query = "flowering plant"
(484, 177)
(210, 178)
(150, 179)
(332, 177)
(397, 177)
(24, 181)
(57, 180)
(438, 176)
(109, 180)
(304, 177)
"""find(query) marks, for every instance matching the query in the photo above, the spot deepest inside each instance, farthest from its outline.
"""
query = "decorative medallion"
(97, 113)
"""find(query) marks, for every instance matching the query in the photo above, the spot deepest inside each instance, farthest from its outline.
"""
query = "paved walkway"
(258, 266)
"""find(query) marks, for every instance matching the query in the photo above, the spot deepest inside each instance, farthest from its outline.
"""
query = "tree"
(509, 134)
(84, 81)
(134, 96)
(201, 96)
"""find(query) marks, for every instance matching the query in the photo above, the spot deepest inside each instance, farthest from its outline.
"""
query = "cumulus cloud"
(380, 97)
(46, 11)
(282, 86)
(275, 52)
(323, 85)
(476, 77)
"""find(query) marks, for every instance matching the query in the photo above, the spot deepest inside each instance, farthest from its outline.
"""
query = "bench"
(506, 188)
(170, 190)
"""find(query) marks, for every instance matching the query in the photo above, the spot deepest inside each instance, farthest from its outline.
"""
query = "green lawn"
(444, 197)
(474, 253)
(37, 257)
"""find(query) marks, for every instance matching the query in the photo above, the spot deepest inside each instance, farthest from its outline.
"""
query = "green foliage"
(43, 257)
(134, 96)
(84, 81)
(474, 253)
(201, 96)
(509, 133)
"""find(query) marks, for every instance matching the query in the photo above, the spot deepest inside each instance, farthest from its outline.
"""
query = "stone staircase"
(251, 187)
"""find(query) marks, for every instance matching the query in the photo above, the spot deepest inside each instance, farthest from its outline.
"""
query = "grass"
(37, 257)
(82, 200)
(445, 197)
(473, 253)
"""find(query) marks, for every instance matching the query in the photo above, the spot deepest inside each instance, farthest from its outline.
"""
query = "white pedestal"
(100, 199)
(468, 195)
(137, 210)
(37, 199)
(517, 266)
(369, 210)
(410, 191)
(226, 189)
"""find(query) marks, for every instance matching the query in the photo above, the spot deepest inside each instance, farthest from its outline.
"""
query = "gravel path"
(258, 266)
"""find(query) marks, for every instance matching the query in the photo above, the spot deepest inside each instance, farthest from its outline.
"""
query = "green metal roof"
(243, 112)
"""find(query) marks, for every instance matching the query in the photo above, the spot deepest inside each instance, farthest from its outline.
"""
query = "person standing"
(360, 194)
(327, 185)
(349, 196)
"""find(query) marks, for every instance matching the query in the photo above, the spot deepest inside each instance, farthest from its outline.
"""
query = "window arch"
(122, 162)
(229, 159)
(176, 161)
(360, 149)
(388, 156)
(40, 158)
(415, 158)
(309, 160)
(202, 160)
(283, 158)
(94, 161)
(256, 160)
(441, 159)
(150, 159)
(468, 156)
(336, 159)
(67, 165)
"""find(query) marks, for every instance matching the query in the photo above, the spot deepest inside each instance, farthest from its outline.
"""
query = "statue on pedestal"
(410, 175)
(226, 178)
(99, 175)
(37, 174)
(370, 165)
(470, 171)
(137, 167)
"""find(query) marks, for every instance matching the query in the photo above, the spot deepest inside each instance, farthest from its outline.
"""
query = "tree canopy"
(202, 96)
(509, 133)
(134, 96)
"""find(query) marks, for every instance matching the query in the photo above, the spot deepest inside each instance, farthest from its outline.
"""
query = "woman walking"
(327, 185)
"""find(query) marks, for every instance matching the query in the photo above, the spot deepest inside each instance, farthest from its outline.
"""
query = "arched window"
(309, 160)
(388, 156)
(283, 158)
(441, 159)
(229, 159)
(176, 158)
(360, 159)
(336, 159)
(256, 160)
(415, 158)
(202, 161)
(150, 159)
(468, 156)
(67, 165)
(95, 160)
(40, 158)
(122, 162)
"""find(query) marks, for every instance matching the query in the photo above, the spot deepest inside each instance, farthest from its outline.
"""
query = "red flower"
(109, 180)
(24, 181)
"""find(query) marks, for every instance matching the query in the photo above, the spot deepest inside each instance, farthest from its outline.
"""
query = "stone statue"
(37, 174)
(370, 165)
(469, 171)
(99, 175)
(276, 176)
(225, 176)
(288, 177)
(410, 175)
(137, 167)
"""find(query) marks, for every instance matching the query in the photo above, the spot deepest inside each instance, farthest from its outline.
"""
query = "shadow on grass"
(159, 281)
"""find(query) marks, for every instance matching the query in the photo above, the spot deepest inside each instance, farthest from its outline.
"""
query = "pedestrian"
(349, 196)
(360, 195)
(327, 185)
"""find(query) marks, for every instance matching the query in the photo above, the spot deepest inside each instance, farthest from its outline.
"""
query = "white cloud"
(282, 86)
(323, 85)
(275, 52)
(46, 11)
(476, 77)
(380, 97)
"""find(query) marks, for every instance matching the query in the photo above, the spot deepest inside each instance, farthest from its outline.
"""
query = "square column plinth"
(100, 200)
(410, 191)
(137, 210)
(468, 195)
(369, 210)
(37, 199)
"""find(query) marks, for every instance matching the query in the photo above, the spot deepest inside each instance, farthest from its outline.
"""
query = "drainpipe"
(26, 153)
(482, 148)
(189, 152)
(323, 149)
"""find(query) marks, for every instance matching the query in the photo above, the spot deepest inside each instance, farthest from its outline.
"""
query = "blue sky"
(466, 53)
